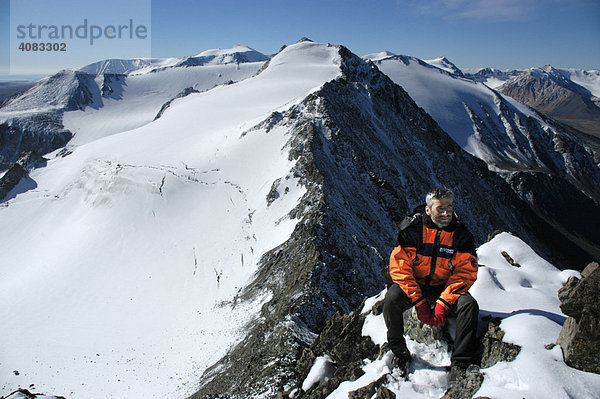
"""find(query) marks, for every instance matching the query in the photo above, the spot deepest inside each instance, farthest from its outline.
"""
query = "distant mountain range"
(571, 96)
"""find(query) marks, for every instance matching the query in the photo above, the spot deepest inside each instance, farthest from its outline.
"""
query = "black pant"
(466, 310)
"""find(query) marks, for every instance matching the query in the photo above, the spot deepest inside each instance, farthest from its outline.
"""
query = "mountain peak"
(237, 54)
(304, 39)
(445, 64)
(378, 56)
(548, 68)
(219, 51)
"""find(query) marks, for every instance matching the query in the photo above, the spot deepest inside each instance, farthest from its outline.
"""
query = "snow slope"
(444, 97)
(445, 64)
(502, 132)
(588, 79)
(236, 54)
(128, 65)
(136, 99)
(120, 270)
(526, 298)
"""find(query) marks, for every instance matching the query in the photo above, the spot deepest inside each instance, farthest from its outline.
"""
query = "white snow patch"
(320, 372)
(527, 300)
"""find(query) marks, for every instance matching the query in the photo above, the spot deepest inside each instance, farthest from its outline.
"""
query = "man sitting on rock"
(432, 268)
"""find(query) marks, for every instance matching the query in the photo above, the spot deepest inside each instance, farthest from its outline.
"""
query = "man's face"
(440, 212)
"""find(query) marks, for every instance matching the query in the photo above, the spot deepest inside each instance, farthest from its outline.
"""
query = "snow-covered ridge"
(494, 78)
(589, 79)
(446, 65)
(113, 96)
(127, 66)
(378, 56)
(237, 54)
(486, 124)
(64, 90)
(128, 102)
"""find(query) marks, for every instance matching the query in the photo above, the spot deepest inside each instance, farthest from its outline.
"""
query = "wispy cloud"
(474, 9)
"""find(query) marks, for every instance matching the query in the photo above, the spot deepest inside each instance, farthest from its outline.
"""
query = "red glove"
(440, 314)
(424, 313)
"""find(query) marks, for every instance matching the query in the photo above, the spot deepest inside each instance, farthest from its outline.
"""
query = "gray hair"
(438, 193)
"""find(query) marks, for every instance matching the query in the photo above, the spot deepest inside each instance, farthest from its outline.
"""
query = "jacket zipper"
(436, 249)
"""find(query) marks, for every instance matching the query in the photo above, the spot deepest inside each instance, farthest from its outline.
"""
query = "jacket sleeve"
(401, 268)
(465, 271)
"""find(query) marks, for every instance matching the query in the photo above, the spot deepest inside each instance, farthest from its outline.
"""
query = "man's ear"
(427, 210)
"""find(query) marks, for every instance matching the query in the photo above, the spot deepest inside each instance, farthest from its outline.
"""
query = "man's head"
(439, 206)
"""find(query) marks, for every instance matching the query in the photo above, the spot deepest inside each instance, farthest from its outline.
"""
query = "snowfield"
(527, 300)
(137, 99)
(120, 269)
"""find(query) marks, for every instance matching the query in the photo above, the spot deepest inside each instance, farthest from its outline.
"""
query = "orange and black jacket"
(426, 255)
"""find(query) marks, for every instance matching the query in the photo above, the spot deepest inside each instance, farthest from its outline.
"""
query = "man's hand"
(424, 314)
(440, 314)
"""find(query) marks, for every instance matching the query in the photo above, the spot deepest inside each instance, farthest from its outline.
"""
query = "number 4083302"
(26, 46)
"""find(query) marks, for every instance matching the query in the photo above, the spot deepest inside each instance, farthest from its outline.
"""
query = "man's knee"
(467, 303)
(396, 297)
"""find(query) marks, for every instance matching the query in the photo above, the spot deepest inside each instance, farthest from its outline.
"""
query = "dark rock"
(10, 179)
(185, 92)
(343, 341)
(493, 349)
(578, 295)
(273, 193)
(580, 335)
(385, 393)
(22, 393)
(492, 235)
(509, 259)
(322, 390)
(368, 391)
(424, 333)
(466, 386)
(378, 308)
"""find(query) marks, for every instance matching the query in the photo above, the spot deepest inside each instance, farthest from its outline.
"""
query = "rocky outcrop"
(343, 342)
(346, 350)
(33, 121)
(42, 133)
(493, 348)
(375, 388)
(22, 393)
(185, 92)
(580, 335)
(10, 179)
(18, 171)
(469, 383)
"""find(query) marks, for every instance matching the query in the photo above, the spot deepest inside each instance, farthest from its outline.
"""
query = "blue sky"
(471, 33)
